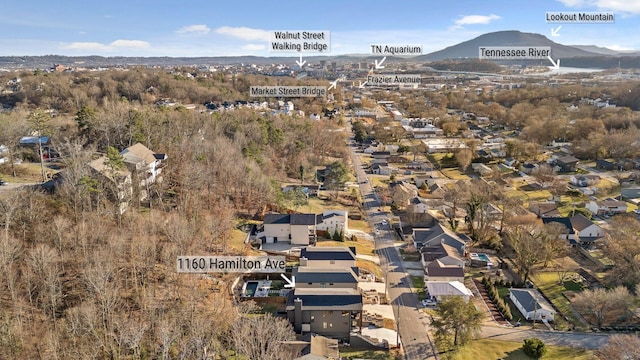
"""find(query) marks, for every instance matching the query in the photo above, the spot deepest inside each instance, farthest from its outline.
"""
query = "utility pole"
(44, 178)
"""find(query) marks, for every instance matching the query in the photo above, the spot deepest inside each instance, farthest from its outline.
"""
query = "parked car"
(2, 182)
(428, 302)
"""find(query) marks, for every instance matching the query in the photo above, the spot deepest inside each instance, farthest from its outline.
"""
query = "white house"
(532, 305)
(440, 289)
(417, 205)
(585, 228)
(607, 207)
(333, 220)
(144, 164)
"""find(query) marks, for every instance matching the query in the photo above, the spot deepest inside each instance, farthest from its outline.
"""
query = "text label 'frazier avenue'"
(287, 91)
(393, 79)
(580, 17)
(514, 52)
(300, 41)
(231, 264)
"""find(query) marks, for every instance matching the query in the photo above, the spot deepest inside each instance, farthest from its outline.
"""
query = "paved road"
(560, 338)
(412, 324)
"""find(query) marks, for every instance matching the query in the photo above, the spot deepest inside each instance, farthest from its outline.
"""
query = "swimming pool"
(481, 257)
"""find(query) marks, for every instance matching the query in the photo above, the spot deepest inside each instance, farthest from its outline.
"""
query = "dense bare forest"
(81, 281)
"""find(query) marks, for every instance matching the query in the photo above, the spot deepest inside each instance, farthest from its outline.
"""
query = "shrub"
(534, 348)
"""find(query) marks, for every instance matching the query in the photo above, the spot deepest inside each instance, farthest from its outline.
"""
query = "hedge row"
(492, 291)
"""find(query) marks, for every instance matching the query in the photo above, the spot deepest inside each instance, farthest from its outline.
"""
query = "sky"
(186, 28)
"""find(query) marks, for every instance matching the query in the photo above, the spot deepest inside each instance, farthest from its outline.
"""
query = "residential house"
(437, 191)
(380, 169)
(544, 209)
(321, 256)
(605, 165)
(380, 154)
(334, 220)
(567, 232)
(437, 270)
(566, 163)
(584, 180)
(578, 229)
(297, 229)
(607, 207)
(447, 255)
(630, 193)
(437, 234)
(331, 312)
(438, 290)
(481, 169)
(532, 305)
(325, 277)
(118, 181)
(586, 231)
(417, 205)
(145, 166)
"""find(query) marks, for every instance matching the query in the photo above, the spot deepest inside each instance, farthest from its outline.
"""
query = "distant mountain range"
(469, 49)
(571, 55)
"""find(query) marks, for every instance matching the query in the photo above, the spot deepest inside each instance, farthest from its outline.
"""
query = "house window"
(324, 324)
(309, 283)
(323, 285)
(330, 284)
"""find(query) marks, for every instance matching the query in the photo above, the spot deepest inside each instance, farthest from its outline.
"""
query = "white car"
(426, 302)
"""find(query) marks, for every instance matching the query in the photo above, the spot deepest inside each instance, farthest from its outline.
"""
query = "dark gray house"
(331, 312)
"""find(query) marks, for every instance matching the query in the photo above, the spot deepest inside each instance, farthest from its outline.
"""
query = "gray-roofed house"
(325, 277)
(532, 305)
(437, 234)
(607, 207)
(439, 271)
(321, 256)
(297, 229)
(586, 231)
(448, 255)
(319, 348)
(325, 311)
(567, 232)
(567, 163)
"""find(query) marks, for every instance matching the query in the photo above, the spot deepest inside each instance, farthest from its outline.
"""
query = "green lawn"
(417, 283)
(495, 349)
(547, 283)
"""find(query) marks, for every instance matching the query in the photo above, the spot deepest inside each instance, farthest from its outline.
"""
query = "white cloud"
(113, 46)
(194, 29)
(253, 47)
(244, 33)
(623, 6)
(474, 20)
(129, 44)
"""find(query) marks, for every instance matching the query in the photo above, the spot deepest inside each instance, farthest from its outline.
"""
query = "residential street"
(412, 324)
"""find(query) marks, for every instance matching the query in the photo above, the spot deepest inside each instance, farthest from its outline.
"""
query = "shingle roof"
(580, 222)
(327, 253)
(326, 299)
(438, 269)
(276, 219)
(138, 153)
(565, 221)
(305, 274)
(531, 300)
(305, 219)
